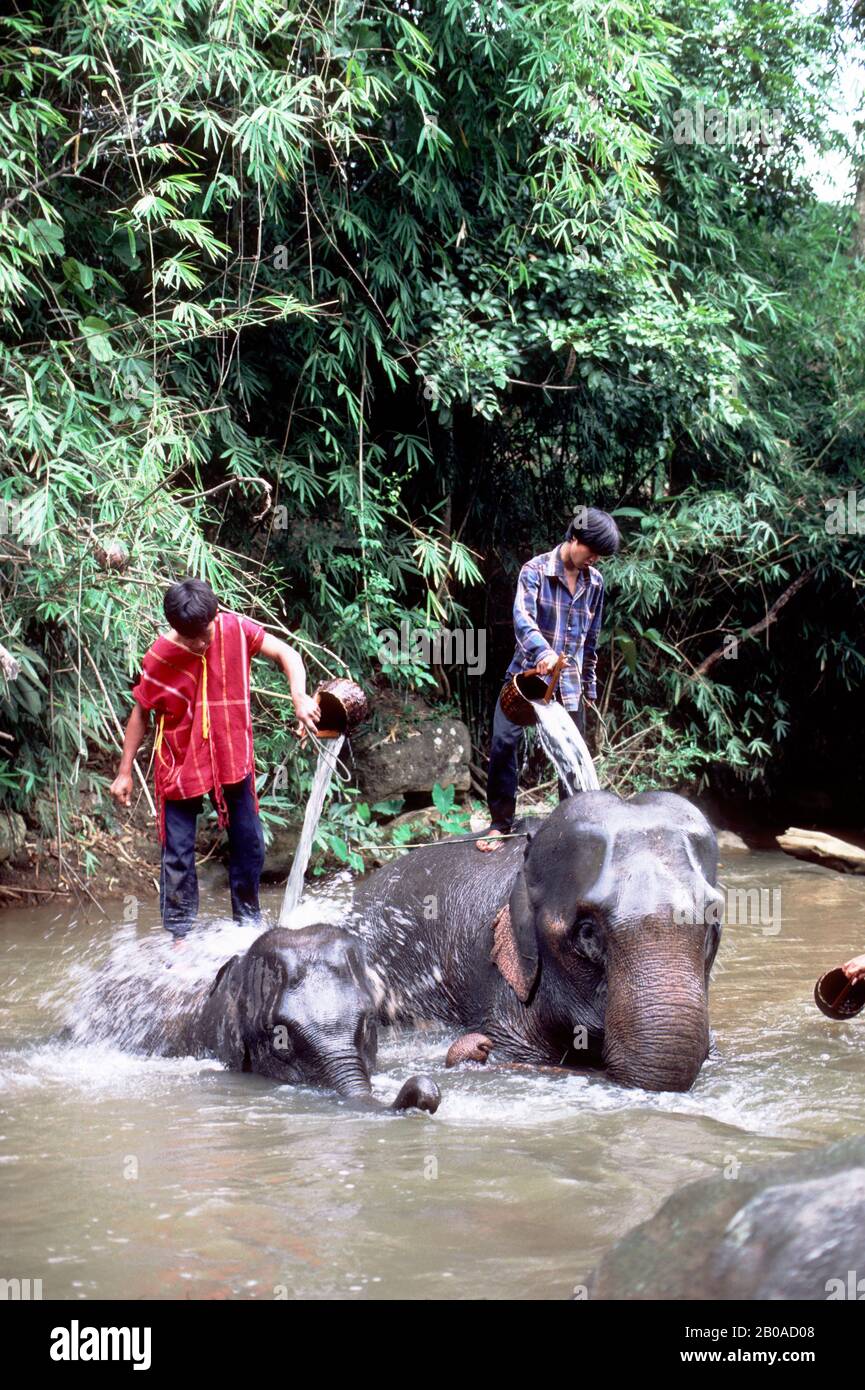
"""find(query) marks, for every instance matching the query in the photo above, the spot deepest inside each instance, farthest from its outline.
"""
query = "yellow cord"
(205, 714)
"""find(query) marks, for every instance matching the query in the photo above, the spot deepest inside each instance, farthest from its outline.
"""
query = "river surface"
(123, 1176)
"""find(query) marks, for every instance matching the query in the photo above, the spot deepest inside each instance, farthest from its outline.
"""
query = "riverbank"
(94, 862)
(103, 855)
(87, 861)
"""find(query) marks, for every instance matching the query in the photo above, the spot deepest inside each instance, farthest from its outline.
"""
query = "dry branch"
(770, 617)
(824, 849)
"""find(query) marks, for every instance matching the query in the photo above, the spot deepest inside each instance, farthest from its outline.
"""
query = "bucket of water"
(838, 996)
(343, 706)
(517, 696)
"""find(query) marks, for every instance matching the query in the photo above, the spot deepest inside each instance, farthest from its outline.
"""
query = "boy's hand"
(121, 788)
(308, 713)
(547, 663)
(855, 968)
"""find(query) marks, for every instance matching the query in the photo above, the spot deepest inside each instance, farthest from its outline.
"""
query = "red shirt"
(204, 737)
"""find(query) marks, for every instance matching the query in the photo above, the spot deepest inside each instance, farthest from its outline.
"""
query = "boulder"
(412, 758)
(425, 819)
(13, 833)
(213, 876)
(278, 854)
(790, 1229)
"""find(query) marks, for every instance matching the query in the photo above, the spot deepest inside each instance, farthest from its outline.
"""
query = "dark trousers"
(178, 880)
(503, 771)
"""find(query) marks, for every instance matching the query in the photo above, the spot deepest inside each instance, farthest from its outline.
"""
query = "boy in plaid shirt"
(558, 609)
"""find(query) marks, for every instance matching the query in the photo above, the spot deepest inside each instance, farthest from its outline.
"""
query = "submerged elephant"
(297, 1007)
(587, 943)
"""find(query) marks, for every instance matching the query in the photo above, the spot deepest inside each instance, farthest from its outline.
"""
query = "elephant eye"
(366, 1034)
(588, 938)
(286, 1039)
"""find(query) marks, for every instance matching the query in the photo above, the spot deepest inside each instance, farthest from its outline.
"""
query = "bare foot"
(471, 1047)
(491, 841)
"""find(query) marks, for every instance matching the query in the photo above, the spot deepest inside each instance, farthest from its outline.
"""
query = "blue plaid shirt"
(548, 619)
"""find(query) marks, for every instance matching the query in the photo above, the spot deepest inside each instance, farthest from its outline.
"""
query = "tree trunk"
(823, 849)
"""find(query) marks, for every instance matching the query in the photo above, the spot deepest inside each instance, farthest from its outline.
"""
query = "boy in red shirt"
(196, 680)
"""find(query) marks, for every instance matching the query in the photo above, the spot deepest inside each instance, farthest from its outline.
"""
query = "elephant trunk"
(418, 1093)
(346, 1074)
(656, 1026)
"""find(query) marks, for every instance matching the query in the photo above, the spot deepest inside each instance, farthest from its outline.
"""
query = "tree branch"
(771, 615)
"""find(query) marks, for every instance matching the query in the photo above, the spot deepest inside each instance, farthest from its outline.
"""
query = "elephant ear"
(223, 1032)
(515, 943)
(221, 973)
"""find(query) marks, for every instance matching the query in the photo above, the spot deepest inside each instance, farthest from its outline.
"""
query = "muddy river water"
(123, 1176)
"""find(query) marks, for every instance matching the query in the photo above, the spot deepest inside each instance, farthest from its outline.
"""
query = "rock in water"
(279, 854)
(729, 841)
(790, 1229)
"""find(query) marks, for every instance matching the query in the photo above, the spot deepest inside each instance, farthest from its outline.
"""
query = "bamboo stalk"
(141, 776)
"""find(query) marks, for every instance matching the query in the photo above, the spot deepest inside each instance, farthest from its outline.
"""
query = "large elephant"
(587, 943)
(296, 1007)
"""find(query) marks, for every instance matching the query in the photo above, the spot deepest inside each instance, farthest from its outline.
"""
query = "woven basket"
(839, 997)
(517, 695)
(343, 706)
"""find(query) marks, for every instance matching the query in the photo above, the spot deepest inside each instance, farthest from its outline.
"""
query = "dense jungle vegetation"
(346, 307)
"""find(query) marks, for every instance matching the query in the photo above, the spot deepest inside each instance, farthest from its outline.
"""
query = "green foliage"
(148, 162)
(356, 835)
(452, 819)
(346, 308)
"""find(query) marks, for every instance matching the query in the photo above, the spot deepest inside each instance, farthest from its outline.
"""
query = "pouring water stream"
(328, 759)
(565, 747)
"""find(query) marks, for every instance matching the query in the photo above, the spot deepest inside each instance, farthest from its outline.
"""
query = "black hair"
(190, 606)
(595, 529)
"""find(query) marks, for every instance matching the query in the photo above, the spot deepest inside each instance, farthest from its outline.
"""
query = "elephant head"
(297, 1008)
(610, 933)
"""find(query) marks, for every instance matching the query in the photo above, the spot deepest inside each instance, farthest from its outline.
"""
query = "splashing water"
(131, 999)
(565, 747)
(140, 995)
(328, 756)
